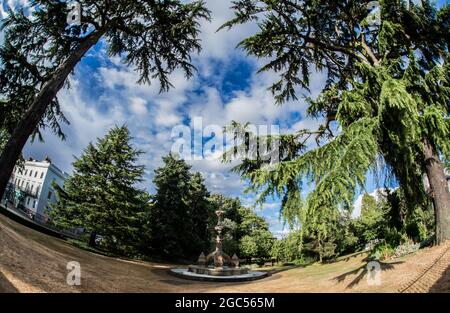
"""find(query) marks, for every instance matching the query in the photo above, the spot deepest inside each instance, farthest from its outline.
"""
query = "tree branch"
(369, 51)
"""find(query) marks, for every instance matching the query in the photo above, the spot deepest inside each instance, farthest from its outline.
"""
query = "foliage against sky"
(226, 88)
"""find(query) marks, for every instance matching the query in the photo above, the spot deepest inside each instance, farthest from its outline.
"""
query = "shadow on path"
(6, 286)
(283, 269)
(362, 271)
(443, 283)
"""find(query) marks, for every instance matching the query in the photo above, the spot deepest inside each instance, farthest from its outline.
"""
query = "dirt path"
(434, 278)
(34, 262)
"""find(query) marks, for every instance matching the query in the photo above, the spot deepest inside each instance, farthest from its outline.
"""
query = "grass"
(84, 246)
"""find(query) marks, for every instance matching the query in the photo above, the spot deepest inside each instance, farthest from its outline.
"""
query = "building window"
(26, 172)
(28, 202)
(31, 173)
(49, 197)
(42, 175)
(34, 204)
(35, 174)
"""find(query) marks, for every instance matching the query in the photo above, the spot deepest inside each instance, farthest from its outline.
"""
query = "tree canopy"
(41, 50)
(101, 196)
(385, 104)
(179, 214)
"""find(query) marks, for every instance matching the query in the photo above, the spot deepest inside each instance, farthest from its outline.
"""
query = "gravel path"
(435, 277)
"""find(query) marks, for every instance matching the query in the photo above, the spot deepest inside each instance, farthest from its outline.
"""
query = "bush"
(385, 251)
(405, 249)
(382, 251)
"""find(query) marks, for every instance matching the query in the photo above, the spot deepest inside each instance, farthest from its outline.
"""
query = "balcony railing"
(30, 193)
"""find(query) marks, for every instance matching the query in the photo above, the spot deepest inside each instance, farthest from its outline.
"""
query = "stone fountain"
(225, 268)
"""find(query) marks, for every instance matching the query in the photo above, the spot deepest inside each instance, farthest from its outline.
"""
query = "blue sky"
(104, 93)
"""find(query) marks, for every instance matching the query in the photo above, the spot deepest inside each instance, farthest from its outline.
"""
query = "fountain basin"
(212, 271)
(215, 275)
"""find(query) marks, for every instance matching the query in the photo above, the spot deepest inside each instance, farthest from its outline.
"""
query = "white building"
(31, 185)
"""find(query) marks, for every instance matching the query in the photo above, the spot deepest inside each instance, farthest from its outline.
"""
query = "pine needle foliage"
(152, 37)
(101, 196)
(387, 93)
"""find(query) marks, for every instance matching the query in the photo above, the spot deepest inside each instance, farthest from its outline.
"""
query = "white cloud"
(138, 106)
(150, 115)
(221, 45)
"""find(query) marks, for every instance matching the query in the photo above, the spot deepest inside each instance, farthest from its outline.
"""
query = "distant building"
(30, 186)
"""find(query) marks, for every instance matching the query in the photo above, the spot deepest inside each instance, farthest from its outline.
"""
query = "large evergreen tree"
(101, 196)
(40, 51)
(386, 101)
(200, 211)
(179, 213)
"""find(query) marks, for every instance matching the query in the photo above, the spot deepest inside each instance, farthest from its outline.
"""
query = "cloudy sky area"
(104, 93)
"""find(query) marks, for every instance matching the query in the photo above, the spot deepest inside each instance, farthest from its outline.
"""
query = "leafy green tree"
(179, 213)
(401, 223)
(289, 248)
(346, 236)
(40, 51)
(385, 99)
(248, 247)
(278, 250)
(254, 227)
(371, 223)
(101, 195)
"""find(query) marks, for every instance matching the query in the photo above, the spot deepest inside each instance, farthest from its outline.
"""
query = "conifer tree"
(179, 213)
(386, 101)
(200, 211)
(101, 196)
(41, 50)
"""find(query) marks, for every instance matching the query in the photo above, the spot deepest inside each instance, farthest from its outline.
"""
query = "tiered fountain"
(224, 268)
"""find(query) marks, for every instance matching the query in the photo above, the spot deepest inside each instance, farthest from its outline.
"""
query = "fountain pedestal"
(219, 272)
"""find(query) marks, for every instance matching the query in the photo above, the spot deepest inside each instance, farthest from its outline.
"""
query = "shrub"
(405, 249)
(382, 251)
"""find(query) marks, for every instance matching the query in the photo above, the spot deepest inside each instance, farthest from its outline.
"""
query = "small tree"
(371, 223)
(101, 195)
(248, 247)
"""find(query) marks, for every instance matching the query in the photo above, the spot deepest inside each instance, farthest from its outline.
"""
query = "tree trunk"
(92, 239)
(35, 113)
(440, 192)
